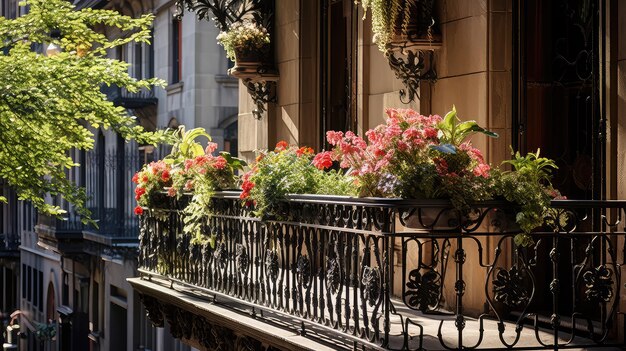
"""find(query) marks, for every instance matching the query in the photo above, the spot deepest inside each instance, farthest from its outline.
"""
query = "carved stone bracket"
(197, 330)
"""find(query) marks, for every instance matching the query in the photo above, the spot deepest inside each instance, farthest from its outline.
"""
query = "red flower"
(281, 145)
(323, 160)
(305, 150)
(144, 178)
(136, 178)
(165, 176)
(139, 191)
(138, 210)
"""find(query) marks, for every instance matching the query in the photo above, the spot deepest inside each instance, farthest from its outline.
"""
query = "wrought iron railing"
(9, 241)
(352, 268)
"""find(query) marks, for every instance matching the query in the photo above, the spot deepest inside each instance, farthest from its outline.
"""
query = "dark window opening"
(339, 29)
(176, 51)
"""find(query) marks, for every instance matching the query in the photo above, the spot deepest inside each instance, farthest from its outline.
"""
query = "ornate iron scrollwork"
(599, 284)
(333, 274)
(221, 255)
(371, 285)
(509, 288)
(411, 71)
(422, 290)
(225, 13)
(260, 81)
(262, 92)
(303, 270)
(242, 259)
(271, 264)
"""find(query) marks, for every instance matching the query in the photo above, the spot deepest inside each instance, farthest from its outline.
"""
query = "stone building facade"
(75, 276)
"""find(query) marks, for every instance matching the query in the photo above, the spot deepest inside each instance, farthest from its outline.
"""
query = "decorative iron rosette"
(422, 291)
(599, 284)
(509, 287)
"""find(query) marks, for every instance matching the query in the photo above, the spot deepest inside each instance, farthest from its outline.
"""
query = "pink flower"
(171, 192)
(188, 164)
(334, 137)
(210, 148)
(430, 132)
(220, 162)
(323, 160)
(136, 178)
(482, 170)
(188, 185)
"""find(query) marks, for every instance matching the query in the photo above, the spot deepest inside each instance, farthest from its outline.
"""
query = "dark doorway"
(338, 65)
(557, 77)
(117, 327)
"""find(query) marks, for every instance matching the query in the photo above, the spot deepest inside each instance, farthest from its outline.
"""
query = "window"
(24, 287)
(176, 51)
(29, 281)
(138, 61)
(40, 293)
(338, 63)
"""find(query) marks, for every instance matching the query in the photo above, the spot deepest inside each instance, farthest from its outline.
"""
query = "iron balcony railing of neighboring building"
(399, 274)
(9, 244)
(123, 97)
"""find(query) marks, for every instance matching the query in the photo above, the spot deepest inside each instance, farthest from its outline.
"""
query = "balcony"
(122, 97)
(345, 273)
(9, 245)
(71, 236)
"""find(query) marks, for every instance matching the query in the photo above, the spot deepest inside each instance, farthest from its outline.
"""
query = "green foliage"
(454, 133)
(527, 185)
(185, 145)
(288, 170)
(384, 14)
(49, 104)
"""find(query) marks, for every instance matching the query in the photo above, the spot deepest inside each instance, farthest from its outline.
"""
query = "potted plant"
(246, 43)
(289, 170)
(400, 21)
(191, 174)
(528, 186)
(413, 156)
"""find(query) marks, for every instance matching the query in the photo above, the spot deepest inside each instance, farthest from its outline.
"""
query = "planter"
(415, 23)
(432, 218)
(503, 220)
(250, 58)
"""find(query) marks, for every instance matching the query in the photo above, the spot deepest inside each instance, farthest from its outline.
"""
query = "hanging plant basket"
(415, 24)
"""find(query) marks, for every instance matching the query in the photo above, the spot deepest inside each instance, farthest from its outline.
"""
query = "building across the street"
(71, 277)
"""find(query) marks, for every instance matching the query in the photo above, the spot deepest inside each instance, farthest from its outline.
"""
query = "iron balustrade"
(352, 268)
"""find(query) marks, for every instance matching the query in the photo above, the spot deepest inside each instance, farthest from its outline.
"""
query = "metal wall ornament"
(259, 79)
(411, 51)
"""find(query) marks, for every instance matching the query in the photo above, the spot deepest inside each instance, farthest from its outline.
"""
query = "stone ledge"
(261, 332)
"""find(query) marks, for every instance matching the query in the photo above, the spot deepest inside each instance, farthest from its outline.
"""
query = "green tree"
(50, 104)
